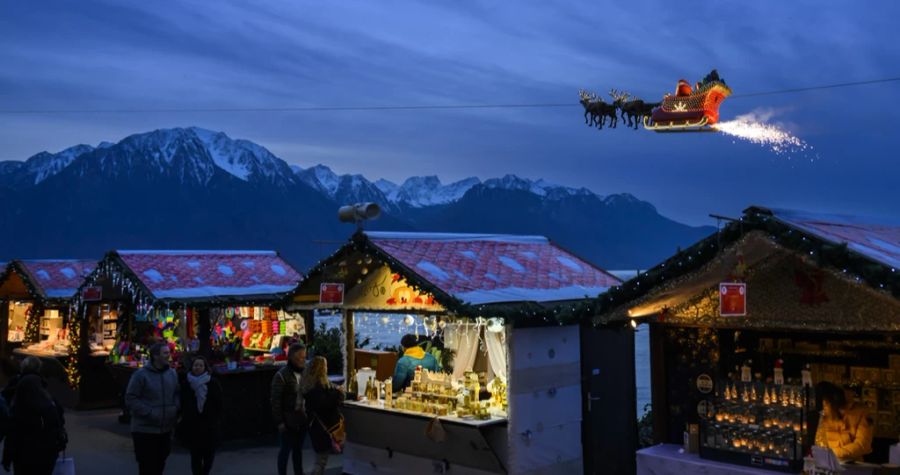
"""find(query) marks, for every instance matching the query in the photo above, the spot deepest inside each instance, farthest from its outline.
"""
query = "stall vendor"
(844, 427)
(413, 355)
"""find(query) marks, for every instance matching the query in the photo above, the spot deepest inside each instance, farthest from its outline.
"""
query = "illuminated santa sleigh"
(689, 110)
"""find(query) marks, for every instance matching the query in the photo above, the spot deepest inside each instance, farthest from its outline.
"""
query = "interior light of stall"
(634, 323)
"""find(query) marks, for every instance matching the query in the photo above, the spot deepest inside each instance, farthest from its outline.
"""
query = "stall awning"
(877, 239)
(860, 252)
(527, 279)
(493, 268)
(204, 275)
(50, 279)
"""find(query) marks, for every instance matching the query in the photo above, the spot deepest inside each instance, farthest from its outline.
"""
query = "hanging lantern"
(495, 325)
(409, 320)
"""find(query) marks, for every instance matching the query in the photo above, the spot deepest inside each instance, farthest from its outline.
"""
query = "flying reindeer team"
(633, 110)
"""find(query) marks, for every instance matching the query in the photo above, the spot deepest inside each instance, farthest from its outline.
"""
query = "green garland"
(33, 323)
(520, 314)
(823, 253)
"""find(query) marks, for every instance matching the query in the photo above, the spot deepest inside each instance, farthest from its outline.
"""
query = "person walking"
(37, 430)
(323, 401)
(29, 365)
(287, 409)
(152, 398)
(201, 415)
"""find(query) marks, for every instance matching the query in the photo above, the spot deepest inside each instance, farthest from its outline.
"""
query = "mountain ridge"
(192, 186)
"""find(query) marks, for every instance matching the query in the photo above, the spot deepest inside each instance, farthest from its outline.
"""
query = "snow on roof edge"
(194, 252)
(515, 294)
(414, 236)
(222, 292)
(834, 219)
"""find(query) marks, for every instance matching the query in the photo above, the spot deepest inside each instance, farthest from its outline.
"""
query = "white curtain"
(466, 346)
(496, 350)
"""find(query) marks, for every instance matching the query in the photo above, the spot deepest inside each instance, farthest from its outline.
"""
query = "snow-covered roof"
(210, 274)
(495, 268)
(877, 239)
(56, 278)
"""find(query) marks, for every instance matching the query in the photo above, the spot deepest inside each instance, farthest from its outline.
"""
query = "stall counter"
(450, 419)
(670, 459)
(384, 440)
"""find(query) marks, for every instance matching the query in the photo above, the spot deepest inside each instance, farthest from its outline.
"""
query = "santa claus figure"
(683, 89)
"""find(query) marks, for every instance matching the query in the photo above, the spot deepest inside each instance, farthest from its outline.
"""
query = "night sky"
(91, 55)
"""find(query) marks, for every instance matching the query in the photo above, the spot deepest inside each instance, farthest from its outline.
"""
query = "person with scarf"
(201, 415)
(413, 356)
(288, 411)
(322, 407)
(37, 430)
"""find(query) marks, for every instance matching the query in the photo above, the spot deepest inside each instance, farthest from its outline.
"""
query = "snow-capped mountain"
(194, 155)
(421, 191)
(39, 167)
(539, 187)
(196, 188)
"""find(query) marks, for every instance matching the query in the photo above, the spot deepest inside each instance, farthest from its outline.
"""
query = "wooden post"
(204, 332)
(309, 323)
(4, 326)
(350, 338)
(658, 389)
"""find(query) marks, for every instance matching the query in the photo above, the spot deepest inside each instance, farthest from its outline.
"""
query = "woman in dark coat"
(323, 401)
(201, 415)
(37, 429)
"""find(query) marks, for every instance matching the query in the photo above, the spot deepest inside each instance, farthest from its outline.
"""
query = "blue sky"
(246, 54)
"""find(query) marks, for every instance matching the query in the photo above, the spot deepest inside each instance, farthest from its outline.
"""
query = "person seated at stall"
(844, 427)
(413, 355)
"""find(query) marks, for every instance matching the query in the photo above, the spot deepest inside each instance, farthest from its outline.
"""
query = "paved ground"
(100, 445)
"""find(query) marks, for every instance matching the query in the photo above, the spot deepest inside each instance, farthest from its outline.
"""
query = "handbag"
(64, 466)
(337, 433)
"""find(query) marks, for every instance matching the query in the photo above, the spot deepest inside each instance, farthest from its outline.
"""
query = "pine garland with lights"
(73, 332)
(824, 254)
(519, 314)
(33, 324)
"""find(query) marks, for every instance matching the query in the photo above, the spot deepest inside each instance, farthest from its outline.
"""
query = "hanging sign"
(331, 293)
(704, 383)
(92, 294)
(732, 299)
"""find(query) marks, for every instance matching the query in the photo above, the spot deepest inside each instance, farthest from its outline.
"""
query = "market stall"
(498, 312)
(225, 305)
(746, 323)
(36, 319)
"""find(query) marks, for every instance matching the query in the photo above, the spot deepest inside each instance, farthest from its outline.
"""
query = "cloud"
(188, 54)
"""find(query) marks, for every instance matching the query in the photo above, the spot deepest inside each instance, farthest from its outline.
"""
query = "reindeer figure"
(585, 101)
(633, 109)
(599, 111)
(605, 111)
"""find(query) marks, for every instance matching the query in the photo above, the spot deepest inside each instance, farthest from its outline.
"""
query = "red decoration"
(732, 299)
(331, 293)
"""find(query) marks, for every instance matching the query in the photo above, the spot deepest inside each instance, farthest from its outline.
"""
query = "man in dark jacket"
(288, 411)
(152, 397)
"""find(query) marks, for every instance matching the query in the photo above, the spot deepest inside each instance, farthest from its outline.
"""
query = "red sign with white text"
(331, 293)
(92, 294)
(732, 299)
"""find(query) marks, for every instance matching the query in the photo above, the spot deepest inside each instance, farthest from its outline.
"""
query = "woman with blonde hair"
(322, 407)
